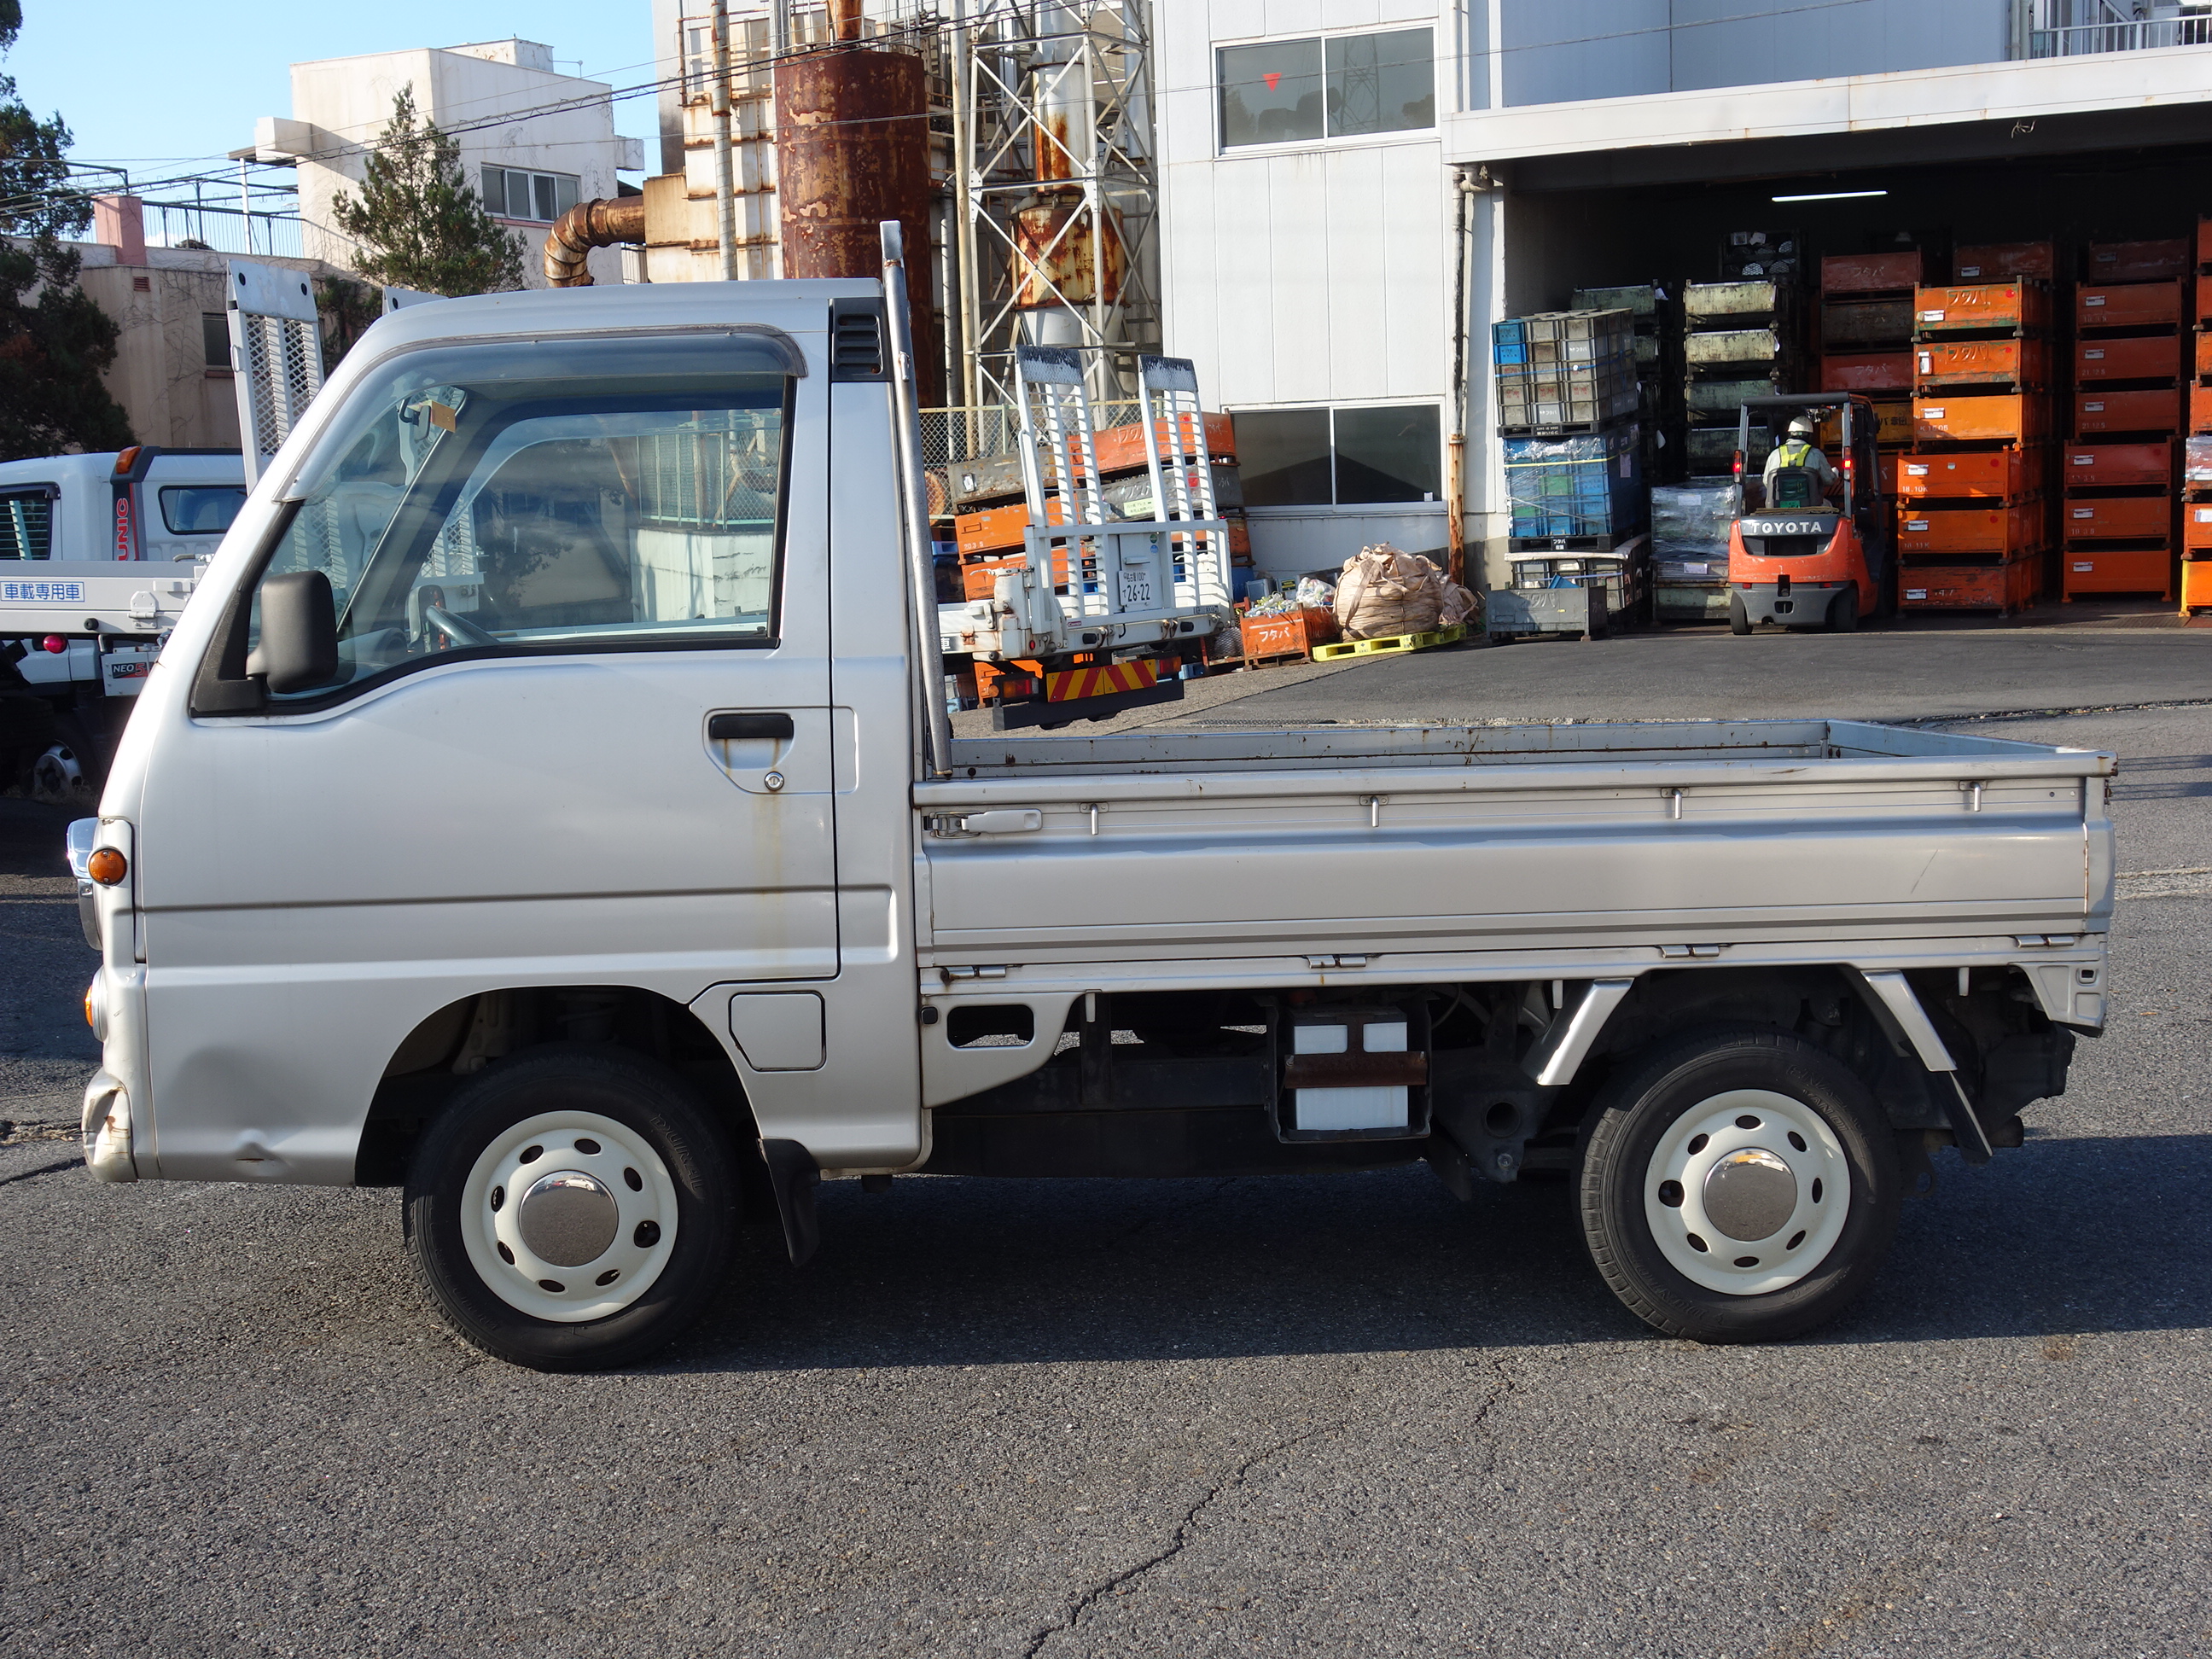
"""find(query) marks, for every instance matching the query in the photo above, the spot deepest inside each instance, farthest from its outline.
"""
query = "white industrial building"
(533, 141)
(1318, 155)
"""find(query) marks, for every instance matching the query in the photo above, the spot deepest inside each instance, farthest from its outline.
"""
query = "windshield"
(525, 493)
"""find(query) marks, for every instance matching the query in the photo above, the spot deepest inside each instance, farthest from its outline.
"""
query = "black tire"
(647, 1099)
(1739, 619)
(1643, 1102)
(1844, 611)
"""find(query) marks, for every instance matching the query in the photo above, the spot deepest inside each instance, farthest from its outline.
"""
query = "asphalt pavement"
(1316, 1416)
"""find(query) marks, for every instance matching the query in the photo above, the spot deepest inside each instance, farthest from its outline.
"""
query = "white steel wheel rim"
(548, 1188)
(1748, 1160)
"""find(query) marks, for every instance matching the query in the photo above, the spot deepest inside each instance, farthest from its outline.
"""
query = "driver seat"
(1794, 488)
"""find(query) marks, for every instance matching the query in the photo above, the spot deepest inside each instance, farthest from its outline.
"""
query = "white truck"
(98, 553)
(544, 804)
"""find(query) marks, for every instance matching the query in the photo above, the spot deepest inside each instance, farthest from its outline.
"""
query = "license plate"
(1133, 589)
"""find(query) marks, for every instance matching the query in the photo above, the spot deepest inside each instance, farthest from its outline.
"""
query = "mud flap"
(793, 1175)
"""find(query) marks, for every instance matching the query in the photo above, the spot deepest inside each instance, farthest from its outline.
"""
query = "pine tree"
(418, 222)
(54, 341)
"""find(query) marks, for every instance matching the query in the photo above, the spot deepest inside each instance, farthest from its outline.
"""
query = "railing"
(2113, 34)
(225, 229)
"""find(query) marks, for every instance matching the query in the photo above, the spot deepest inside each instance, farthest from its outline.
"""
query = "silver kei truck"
(543, 804)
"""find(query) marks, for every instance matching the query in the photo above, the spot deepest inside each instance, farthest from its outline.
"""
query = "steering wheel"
(457, 628)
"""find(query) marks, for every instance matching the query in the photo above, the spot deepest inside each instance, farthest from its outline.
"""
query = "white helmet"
(1802, 427)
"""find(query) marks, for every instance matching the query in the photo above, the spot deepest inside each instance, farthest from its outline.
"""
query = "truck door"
(579, 731)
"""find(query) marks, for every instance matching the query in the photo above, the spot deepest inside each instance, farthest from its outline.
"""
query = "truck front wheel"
(1738, 1186)
(572, 1208)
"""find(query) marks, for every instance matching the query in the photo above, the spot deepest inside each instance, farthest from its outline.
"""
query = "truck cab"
(77, 633)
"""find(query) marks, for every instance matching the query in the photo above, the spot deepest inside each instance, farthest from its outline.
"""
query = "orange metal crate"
(2195, 584)
(2117, 464)
(2116, 515)
(2087, 571)
(2200, 408)
(978, 579)
(1120, 448)
(2015, 527)
(2156, 358)
(2127, 305)
(993, 529)
(2135, 262)
(2126, 412)
(2196, 528)
(2015, 304)
(1995, 474)
(1973, 362)
(1992, 262)
(2204, 242)
(2011, 586)
(2010, 417)
(1870, 273)
(1292, 632)
(2204, 344)
(1872, 371)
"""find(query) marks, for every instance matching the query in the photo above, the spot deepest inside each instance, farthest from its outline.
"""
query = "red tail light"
(1739, 466)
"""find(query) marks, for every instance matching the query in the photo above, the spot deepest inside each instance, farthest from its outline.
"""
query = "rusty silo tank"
(851, 149)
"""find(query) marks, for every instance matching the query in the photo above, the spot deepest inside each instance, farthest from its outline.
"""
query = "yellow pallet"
(1391, 642)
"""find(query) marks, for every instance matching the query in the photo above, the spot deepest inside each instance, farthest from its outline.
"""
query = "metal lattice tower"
(1058, 188)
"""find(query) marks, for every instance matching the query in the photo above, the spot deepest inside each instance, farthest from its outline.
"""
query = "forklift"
(1803, 560)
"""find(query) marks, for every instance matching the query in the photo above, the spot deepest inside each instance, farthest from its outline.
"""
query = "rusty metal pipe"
(587, 225)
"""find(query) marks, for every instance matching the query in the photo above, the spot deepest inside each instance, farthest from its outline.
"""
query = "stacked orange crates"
(2197, 447)
(2117, 517)
(1972, 519)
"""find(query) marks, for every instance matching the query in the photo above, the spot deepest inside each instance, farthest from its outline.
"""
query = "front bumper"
(107, 1137)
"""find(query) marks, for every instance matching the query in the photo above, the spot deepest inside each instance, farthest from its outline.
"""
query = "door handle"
(729, 728)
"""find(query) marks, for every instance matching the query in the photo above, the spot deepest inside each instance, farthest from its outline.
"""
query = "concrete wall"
(349, 102)
(169, 391)
(1561, 50)
(1313, 274)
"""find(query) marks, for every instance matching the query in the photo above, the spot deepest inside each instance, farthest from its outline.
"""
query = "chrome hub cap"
(570, 1215)
(568, 1218)
(1747, 1192)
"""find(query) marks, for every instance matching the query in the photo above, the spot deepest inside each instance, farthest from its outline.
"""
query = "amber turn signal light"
(107, 866)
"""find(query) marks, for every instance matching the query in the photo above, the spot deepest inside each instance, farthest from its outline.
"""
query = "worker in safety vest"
(1797, 451)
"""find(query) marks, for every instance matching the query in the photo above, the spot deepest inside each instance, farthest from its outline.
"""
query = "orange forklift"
(1810, 558)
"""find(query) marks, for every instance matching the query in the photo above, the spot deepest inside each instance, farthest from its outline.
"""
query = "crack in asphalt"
(1175, 1545)
(1506, 1389)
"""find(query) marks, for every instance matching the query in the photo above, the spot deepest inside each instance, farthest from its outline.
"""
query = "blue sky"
(147, 86)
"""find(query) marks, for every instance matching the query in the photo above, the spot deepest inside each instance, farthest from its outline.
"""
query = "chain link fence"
(969, 435)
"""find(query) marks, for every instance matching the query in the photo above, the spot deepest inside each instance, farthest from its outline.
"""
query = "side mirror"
(299, 647)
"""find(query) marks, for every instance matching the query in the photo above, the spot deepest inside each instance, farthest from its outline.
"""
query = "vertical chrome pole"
(914, 498)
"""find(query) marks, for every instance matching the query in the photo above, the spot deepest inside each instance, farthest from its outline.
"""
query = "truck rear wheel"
(1739, 617)
(574, 1208)
(1844, 611)
(1738, 1186)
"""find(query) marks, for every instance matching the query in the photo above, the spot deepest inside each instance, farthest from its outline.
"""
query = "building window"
(1346, 85)
(215, 339)
(513, 193)
(1339, 457)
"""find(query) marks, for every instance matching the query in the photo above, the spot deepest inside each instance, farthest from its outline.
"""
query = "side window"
(507, 500)
(27, 522)
(199, 509)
